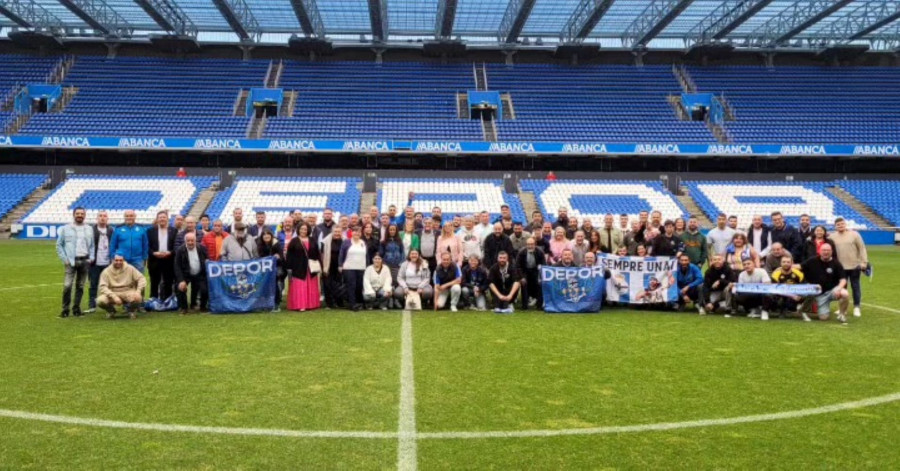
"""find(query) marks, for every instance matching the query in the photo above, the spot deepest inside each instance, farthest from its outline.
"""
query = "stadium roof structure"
(505, 24)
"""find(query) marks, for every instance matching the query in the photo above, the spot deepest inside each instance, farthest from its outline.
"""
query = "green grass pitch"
(337, 371)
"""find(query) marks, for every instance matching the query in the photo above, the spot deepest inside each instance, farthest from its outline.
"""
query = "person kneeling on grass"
(377, 283)
(190, 271)
(829, 274)
(786, 274)
(717, 285)
(689, 278)
(447, 279)
(475, 284)
(121, 285)
(752, 302)
(504, 279)
(413, 277)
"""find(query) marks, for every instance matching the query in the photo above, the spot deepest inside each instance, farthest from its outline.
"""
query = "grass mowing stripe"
(10, 288)
(406, 428)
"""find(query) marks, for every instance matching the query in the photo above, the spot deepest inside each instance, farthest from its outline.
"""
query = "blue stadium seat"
(17, 187)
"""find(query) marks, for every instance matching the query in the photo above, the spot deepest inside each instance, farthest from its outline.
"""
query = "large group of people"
(408, 259)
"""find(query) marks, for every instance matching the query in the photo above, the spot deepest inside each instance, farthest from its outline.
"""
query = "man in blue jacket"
(131, 240)
(689, 279)
(75, 248)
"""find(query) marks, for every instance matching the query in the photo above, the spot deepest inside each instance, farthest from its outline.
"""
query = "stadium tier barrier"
(454, 196)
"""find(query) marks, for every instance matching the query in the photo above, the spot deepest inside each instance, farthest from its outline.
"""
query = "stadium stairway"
(367, 200)
(203, 200)
(859, 207)
(529, 203)
(21, 210)
(684, 197)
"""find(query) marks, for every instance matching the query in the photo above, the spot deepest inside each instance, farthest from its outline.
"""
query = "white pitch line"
(10, 288)
(64, 419)
(406, 428)
(895, 311)
(872, 401)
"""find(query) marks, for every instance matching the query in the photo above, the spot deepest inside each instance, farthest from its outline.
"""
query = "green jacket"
(695, 247)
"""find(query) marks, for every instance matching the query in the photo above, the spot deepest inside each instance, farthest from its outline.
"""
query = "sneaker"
(856, 312)
(805, 317)
(727, 315)
(701, 311)
(132, 315)
(842, 318)
(276, 309)
(532, 302)
(76, 313)
(63, 315)
(765, 315)
(754, 314)
(384, 308)
(509, 310)
(498, 310)
(453, 308)
(90, 311)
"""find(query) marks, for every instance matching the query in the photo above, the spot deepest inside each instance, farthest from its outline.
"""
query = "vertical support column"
(509, 56)
(112, 50)
(245, 52)
(379, 54)
(639, 57)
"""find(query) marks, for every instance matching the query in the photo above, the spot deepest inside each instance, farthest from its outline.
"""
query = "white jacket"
(372, 281)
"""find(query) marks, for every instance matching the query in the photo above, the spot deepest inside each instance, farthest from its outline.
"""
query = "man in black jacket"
(161, 242)
(529, 261)
(667, 244)
(504, 284)
(716, 280)
(787, 235)
(102, 257)
(496, 243)
(190, 269)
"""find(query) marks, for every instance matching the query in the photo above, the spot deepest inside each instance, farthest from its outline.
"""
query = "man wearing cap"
(240, 246)
(667, 244)
(121, 285)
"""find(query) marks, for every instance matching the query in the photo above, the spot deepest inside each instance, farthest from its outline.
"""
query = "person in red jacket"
(214, 239)
(181, 173)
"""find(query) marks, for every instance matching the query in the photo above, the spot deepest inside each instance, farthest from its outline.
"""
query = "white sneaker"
(532, 302)
(453, 308)
(92, 310)
(805, 317)
(727, 315)
(842, 318)
(765, 315)
(498, 310)
(856, 312)
(701, 311)
(754, 314)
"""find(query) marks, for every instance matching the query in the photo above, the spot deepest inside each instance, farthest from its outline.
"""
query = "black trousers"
(353, 280)
(693, 293)
(162, 278)
(531, 288)
(199, 287)
(752, 301)
(331, 287)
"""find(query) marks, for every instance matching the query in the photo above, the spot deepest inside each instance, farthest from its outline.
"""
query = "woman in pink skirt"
(303, 293)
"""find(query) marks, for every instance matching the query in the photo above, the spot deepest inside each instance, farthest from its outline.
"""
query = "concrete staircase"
(508, 111)
(20, 211)
(859, 207)
(366, 201)
(203, 200)
(529, 204)
(693, 208)
(684, 78)
(489, 130)
(287, 107)
(678, 107)
(256, 127)
(462, 106)
(240, 103)
(719, 131)
(68, 93)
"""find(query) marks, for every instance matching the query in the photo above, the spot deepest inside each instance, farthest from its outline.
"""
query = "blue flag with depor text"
(239, 287)
(572, 290)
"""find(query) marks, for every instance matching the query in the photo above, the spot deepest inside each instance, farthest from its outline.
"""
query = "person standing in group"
(610, 237)
(214, 240)
(818, 236)
(475, 284)
(237, 217)
(240, 246)
(130, 240)
(450, 243)
(667, 244)
(738, 251)
(121, 285)
(529, 262)
(518, 237)
(330, 248)
(720, 236)
(470, 240)
(413, 275)
(190, 225)
(694, 242)
(102, 256)
(850, 251)
(302, 254)
(391, 250)
(161, 263)
(789, 237)
(352, 263)
(75, 248)
(579, 247)
(447, 281)
(495, 243)
(257, 229)
(190, 271)
(377, 284)
(267, 245)
(409, 237)
(758, 236)
(428, 241)
(558, 244)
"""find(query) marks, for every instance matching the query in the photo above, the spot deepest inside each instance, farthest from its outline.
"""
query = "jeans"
(469, 297)
(854, 276)
(137, 264)
(379, 299)
(353, 281)
(75, 274)
(95, 272)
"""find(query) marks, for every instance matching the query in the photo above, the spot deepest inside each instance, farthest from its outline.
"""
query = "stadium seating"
(16, 71)
(746, 199)
(17, 187)
(278, 196)
(593, 199)
(116, 193)
(813, 105)
(454, 196)
(882, 196)
(609, 103)
(153, 97)
(350, 100)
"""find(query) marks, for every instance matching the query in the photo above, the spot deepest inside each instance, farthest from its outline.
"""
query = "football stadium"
(449, 234)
